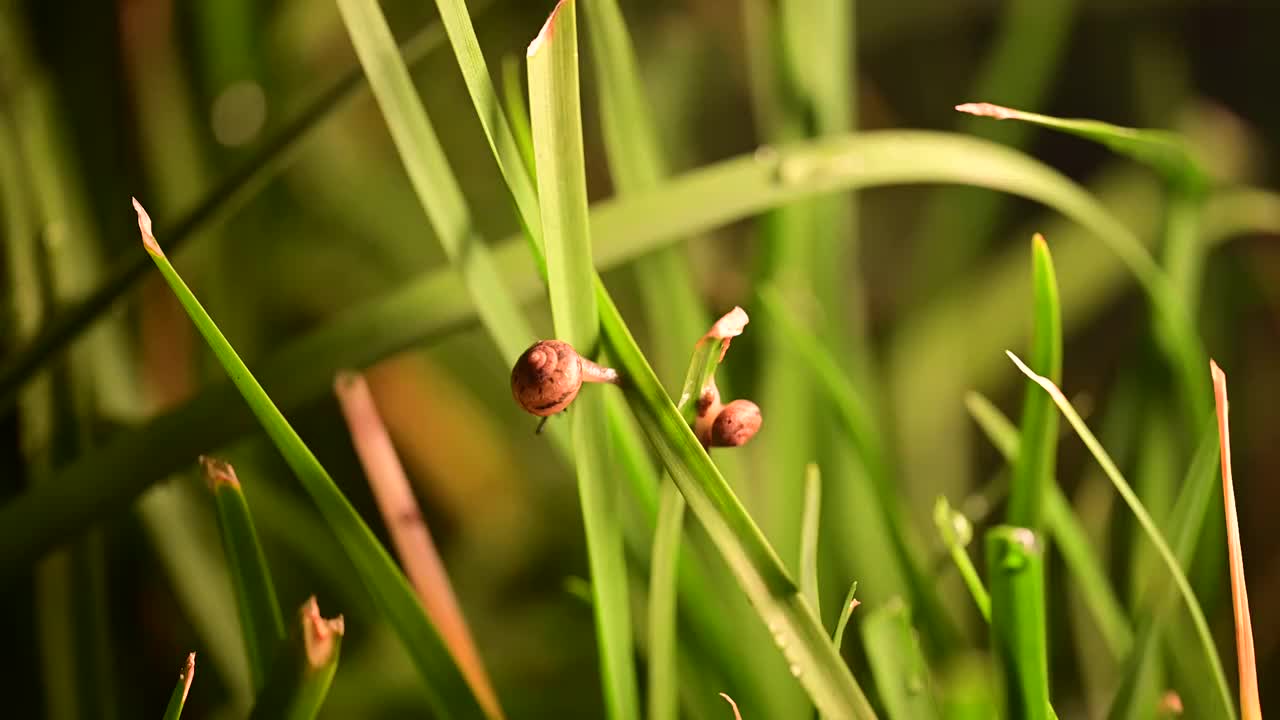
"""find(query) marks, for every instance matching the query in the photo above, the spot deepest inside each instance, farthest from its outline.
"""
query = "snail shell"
(547, 377)
(737, 423)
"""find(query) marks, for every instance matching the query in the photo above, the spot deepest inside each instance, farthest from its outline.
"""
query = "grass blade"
(409, 532)
(1166, 152)
(1015, 566)
(846, 611)
(1250, 707)
(450, 695)
(304, 667)
(513, 96)
(897, 663)
(1069, 536)
(1148, 526)
(557, 142)
(809, 536)
(436, 303)
(957, 532)
(179, 696)
(260, 620)
(1033, 471)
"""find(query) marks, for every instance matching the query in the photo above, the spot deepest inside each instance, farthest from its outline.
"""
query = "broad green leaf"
(1015, 570)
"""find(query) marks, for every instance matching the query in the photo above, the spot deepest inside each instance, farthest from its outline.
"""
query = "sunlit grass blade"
(809, 537)
(179, 696)
(957, 532)
(436, 303)
(409, 532)
(897, 663)
(664, 559)
(846, 611)
(391, 592)
(1148, 527)
(273, 156)
(260, 621)
(1015, 570)
(1070, 538)
(1250, 707)
(513, 96)
(1166, 152)
(854, 413)
(303, 667)
(556, 116)
(1033, 471)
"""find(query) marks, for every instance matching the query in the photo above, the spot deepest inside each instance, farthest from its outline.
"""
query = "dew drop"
(795, 670)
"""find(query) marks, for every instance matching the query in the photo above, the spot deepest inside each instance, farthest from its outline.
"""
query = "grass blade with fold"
(409, 532)
(448, 690)
(436, 303)
(1250, 707)
(1015, 571)
(556, 117)
(1148, 527)
(179, 696)
(1069, 536)
(957, 532)
(260, 620)
(897, 663)
(1033, 471)
(303, 668)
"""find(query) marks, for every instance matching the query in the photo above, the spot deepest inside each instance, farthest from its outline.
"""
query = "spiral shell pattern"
(547, 377)
(737, 423)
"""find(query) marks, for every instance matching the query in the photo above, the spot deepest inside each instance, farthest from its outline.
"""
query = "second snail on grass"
(548, 376)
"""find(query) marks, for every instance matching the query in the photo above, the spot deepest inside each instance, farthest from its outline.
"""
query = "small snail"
(549, 374)
(730, 425)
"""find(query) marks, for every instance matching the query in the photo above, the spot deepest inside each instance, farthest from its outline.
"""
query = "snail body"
(548, 376)
(728, 425)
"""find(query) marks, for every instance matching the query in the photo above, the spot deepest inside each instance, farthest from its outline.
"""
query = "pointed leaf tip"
(732, 704)
(218, 472)
(188, 671)
(548, 29)
(999, 112)
(144, 225)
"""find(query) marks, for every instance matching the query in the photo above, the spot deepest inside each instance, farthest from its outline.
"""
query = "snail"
(547, 377)
(730, 425)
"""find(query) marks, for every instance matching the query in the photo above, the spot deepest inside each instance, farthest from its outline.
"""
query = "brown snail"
(547, 377)
(730, 425)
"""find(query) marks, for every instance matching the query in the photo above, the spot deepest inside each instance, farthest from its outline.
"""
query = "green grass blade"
(562, 188)
(260, 621)
(755, 565)
(809, 537)
(513, 96)
(1168, 153)
(1068, 534)
(244, 183)
(433, 181)
(846, 611)
(450, 695)
(436, 303)
(179, 696)
(1015, 568)
(854, 415)
(1148, 527)
(957, 532)
(303, 667)
(897, 663)
(1034, 470)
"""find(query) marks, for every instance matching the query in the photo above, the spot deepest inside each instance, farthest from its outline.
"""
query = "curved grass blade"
(687, 205)
(1015, 568)
(846, 611)
(897, 663)
(1148, 526)
(809, 537)
(1168, 153)
(1033, 471)
(1068, 535)
(260, 620)
(179, 696)
(272, 157)
(562, 190)
(303, 668)
(1250, 707)
(957, 532)
(450, 695)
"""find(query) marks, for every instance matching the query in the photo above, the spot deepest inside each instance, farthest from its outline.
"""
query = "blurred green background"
(164, 100)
